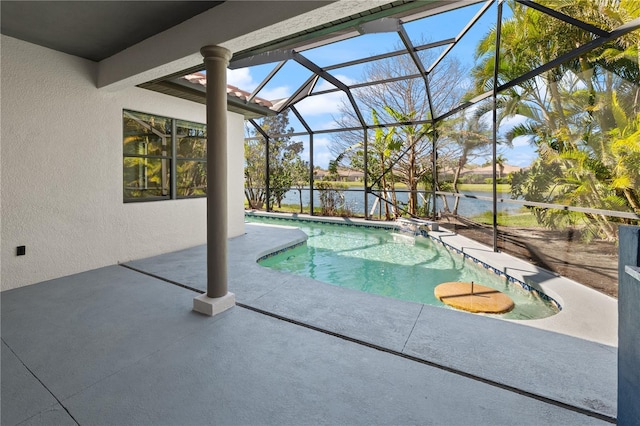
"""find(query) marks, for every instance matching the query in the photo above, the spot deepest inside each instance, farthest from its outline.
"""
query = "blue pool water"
(383, 262)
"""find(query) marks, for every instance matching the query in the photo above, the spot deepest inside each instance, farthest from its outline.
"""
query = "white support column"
(217, 299)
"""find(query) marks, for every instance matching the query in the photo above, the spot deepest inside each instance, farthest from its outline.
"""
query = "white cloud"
(321, 104)
(322, 159)
(521, 156)
(241, 78)
(329, 124)
(321, 154)
(321, 142)
(328, 103)
(325, 85)
(522, 160)
(509, 123)
(521, 141)
(275, 93)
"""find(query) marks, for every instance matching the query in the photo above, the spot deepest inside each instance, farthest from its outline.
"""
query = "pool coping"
(585, 313)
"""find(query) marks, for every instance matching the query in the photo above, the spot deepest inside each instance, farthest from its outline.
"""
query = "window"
(164, 158)
(191, 159)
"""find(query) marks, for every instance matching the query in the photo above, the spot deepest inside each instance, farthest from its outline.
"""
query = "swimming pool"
(382, 262)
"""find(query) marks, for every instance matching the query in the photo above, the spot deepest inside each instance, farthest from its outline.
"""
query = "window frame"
(172, 158)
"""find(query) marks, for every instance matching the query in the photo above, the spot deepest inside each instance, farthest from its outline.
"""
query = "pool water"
(386, 263)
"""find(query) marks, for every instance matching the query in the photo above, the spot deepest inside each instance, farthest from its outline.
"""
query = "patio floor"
(120, 345)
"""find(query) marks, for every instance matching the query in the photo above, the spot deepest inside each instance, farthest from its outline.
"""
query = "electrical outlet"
(21, 250)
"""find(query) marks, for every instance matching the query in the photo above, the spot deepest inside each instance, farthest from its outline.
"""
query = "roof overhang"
(195, 94)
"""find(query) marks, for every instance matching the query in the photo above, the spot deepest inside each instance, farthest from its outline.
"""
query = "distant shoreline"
(477, 187)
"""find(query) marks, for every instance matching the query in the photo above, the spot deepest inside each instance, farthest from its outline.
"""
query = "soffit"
(94, 30)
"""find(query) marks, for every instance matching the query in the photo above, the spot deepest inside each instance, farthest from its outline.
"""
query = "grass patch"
(286, 208)
(523, 218)
(484, 187)
(295, 208)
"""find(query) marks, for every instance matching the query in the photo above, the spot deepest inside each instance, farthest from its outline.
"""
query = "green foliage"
(332, 202)
(148, 156)
(283, 157)
(536, 183)
(489, 181)
(255, 173)
(578, 115)
(299, 176)
(191, 166)
(520, 219)
(381, 153)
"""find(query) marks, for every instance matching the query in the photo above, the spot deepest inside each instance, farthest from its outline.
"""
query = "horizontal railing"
(610, 213)
(524, 203)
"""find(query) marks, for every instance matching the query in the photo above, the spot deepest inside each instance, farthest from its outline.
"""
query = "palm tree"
(571, 115)
(381, 151)
(625, 155)
(501, 160)
(411, 167)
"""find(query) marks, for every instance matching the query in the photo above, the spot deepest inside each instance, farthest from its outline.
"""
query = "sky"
(321, 111)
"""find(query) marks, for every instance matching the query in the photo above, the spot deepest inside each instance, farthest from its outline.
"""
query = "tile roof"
(201, 79)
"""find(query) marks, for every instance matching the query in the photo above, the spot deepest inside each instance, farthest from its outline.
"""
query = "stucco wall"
(235, 183)
(61, 171)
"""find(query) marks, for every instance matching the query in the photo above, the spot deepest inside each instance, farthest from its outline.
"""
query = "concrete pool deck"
(120, 345)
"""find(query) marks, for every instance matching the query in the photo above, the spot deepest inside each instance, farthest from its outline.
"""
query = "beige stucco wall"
(61, 171)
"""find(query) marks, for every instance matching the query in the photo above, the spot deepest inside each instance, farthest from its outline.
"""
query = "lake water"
(355, 200)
